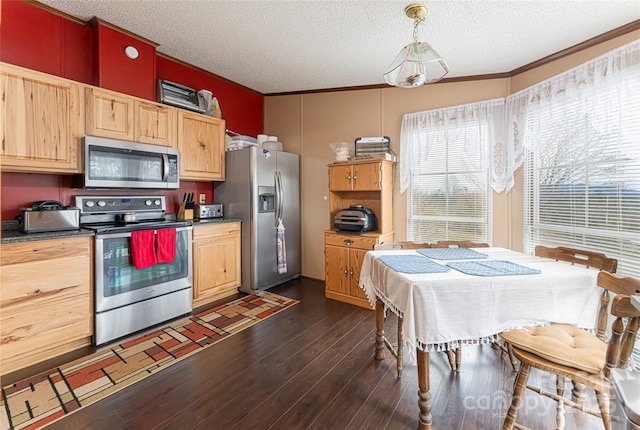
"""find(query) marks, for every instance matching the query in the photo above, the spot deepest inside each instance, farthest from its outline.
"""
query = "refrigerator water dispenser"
(266, 199)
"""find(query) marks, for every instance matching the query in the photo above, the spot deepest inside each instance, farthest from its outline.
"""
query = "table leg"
(424, 395)
(399, 354)
(379, 354)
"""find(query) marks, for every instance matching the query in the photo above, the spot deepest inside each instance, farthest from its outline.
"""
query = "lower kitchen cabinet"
(46, 301)
(216, 262)
(344, 254)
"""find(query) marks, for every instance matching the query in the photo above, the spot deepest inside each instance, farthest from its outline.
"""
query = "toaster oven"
(173, 94)
(355, 219)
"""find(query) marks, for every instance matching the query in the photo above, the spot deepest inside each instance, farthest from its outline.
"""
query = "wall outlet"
(203, 198)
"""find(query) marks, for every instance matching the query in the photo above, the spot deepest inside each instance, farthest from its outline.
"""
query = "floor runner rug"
(39, 400)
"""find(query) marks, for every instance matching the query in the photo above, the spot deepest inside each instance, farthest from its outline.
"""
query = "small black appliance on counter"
(48, 215)
(355, 219)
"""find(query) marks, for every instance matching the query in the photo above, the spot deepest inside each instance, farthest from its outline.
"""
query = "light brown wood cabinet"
(368, 184)
(201, 145)
(216, 262)
(50, 311)
(355, 177)
(40, 122)
(119, 116)
(344, 254)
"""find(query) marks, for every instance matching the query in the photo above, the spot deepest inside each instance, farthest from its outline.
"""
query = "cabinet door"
(337, 269)
(50, 311)
(154, 123)
(39, 119)
(355, 261)
(340, 178)
(216, 262)
(366, 177)
(109, 114)
(217, 266)
(201, 145)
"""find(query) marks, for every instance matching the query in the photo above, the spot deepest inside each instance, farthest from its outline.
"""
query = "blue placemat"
(451, 253)
(412, 264)
(491, 268)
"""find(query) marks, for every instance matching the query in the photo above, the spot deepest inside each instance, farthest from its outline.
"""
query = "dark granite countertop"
(197, 222)
(10, 234)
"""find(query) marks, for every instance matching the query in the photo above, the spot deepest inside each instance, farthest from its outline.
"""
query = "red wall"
(38, 39)
(115, 71)
(34, 38)
(242, 109)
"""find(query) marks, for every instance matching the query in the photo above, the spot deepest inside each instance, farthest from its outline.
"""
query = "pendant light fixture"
(417, 63)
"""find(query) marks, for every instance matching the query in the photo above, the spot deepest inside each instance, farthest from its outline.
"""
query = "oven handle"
(128, 233)
(165, 167)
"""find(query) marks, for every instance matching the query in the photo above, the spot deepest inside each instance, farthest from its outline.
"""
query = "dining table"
(449, 297)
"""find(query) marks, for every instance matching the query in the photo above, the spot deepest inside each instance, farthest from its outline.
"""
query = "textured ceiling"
(287, 45)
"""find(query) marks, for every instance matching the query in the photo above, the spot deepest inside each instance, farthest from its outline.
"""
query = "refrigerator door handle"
(279, 196)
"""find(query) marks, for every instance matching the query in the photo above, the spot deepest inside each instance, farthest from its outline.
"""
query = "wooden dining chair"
(595, 260)
(577, 354)
(459, 244)
(396, 350)
(407, 244)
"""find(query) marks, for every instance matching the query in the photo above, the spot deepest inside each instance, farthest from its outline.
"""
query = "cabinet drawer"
(352, 241)
(39, 250)
(213, 230)
(59, 279)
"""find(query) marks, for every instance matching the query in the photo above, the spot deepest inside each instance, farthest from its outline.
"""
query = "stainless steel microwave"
(112, 163)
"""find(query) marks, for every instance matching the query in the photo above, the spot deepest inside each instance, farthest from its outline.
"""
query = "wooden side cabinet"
(355, 177)
(368, 184)
(49, 312)
(201, 145)
(216, 262)
(344, 254)
(119, 116)
(39, 122)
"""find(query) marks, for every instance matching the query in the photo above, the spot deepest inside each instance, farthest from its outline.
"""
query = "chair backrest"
(459, 244)
(401, 245)
(577, 256)
(623, 337)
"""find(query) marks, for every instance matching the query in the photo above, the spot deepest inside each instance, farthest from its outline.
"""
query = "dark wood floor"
(312, 367)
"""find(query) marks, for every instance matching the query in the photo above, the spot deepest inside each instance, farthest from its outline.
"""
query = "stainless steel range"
(128, 299)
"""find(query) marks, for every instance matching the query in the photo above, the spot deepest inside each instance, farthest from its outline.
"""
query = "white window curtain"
(446, 163)
(579, 134)
(422, 131)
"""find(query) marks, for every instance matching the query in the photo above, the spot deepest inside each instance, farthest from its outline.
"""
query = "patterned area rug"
(44, 398)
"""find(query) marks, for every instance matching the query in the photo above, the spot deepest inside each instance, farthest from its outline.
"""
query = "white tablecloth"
(448, 309)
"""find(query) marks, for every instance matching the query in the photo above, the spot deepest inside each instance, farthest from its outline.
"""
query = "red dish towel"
(143, 250)
(166, 249)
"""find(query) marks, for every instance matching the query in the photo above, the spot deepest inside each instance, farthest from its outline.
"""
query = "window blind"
(449, 194)
(582, 177)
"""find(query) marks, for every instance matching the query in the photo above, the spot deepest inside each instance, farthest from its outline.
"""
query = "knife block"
(184, 214)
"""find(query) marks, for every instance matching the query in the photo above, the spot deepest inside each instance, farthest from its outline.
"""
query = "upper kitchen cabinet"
(39, 122)
(201, 145)
(355, 177)
(118, 116)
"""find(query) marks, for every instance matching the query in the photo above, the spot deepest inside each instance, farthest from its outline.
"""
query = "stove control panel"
(120, 204)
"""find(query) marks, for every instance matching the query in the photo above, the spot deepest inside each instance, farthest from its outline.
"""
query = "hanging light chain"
(418, 21)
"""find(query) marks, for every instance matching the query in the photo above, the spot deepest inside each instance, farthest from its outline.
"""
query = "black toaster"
(355, 219)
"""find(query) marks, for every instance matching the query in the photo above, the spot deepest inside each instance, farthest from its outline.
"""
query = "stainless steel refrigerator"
(263, 188)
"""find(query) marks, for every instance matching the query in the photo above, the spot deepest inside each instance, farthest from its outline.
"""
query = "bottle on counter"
(216, 112)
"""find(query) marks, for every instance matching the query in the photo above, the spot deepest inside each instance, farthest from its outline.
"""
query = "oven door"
(119, 283)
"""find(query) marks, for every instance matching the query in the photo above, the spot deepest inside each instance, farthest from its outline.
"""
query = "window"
(582, 170)
(447, 171)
